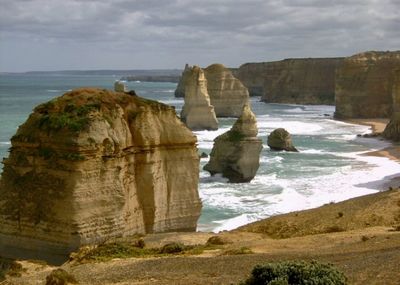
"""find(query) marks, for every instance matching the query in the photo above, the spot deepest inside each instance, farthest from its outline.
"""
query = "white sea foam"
(5, 143)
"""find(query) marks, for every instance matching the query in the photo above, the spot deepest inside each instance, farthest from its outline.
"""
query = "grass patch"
(238, 251)
(135, 249)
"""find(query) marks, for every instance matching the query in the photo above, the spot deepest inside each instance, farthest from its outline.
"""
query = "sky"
(150, 34)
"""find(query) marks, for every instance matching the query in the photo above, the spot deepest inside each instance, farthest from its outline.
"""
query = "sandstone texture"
(119, 86)
(180, 88)
(227, 94)
(91, 165)
(280, 139)
(364, 85)
(392, 130)
(292, 81)
(236, 153)
(197, 113)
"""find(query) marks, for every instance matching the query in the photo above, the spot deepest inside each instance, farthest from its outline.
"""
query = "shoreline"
(391, 152)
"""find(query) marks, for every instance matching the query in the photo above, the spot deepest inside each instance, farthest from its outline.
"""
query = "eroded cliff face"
(236, 153)
(197, 113)
(294, 81)
(364, 85)
(94, 164)
(392, 130)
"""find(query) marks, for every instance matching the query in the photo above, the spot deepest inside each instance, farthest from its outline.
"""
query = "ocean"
(329, 167)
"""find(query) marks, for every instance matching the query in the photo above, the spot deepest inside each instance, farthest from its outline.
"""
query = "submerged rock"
(236, 153)
(392, 130)
(91, 165)
(119, 86)
(280, 139)
(197, 113)
(227, 94)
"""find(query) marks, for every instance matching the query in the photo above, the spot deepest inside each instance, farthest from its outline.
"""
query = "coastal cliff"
(293, 81)
(227, 94)
(364, 85)
(94, 164)
(392, 130)
(197, 113)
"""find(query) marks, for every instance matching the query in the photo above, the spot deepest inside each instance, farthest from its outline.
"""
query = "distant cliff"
(364, 85)
(294, 81)
(95, 164)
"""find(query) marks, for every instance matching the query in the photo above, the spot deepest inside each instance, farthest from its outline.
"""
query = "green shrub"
(295, 273)
(173, 247)
(60, 277)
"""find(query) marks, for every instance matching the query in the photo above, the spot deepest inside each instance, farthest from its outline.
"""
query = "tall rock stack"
(392, 130)
(180, 89)
(236, 153)
(364, 85)
(197, 113)
(227, 94)
(91, 165)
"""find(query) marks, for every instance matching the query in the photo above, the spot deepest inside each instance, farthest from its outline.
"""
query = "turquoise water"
(329, 167)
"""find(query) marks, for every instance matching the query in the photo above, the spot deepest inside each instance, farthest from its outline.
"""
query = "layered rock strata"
(236, 153)
(197, 113)
(227, 94)
(293, 81)
(392, 130)
(280, 139)
(364, 85)
(92, 165)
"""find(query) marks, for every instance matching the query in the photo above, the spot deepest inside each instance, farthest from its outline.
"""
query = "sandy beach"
(378, 126)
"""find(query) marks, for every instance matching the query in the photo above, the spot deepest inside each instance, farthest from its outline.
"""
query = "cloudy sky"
(148, 34)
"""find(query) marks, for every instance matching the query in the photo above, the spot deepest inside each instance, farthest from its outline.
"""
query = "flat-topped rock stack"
(94, 164)
(392, 130)
(197, 113)
(227, 94)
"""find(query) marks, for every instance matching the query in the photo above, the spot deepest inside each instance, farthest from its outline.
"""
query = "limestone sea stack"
(280, 139)
(197, 113)
(94, 164)
(236, 153)
(180, 88)
(364, 85)
(392, 130)
(227, 94)
(120, 86)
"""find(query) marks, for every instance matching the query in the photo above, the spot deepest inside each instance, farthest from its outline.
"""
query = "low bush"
(295, 273)
(60, 277)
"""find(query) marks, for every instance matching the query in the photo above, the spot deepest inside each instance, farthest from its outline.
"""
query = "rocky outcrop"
(92, 165)
(292, 81)
(197, 113)
(280, 139)
(364, 85)
(392, 130)
(119, 86)
(227, 94)
(236, 153)
(180, 88)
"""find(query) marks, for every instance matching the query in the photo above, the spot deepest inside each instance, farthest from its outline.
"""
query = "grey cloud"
(185, 30)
